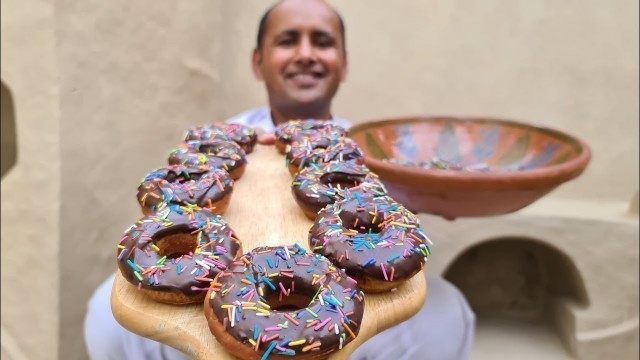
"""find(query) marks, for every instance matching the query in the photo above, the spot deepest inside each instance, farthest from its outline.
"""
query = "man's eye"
(324, 42)
(287, 42)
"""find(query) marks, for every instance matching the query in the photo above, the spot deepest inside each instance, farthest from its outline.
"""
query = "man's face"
(302, 60)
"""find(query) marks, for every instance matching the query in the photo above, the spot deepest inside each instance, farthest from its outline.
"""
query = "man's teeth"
(304, 76)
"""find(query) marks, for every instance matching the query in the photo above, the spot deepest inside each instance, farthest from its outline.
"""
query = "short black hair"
(262, 27)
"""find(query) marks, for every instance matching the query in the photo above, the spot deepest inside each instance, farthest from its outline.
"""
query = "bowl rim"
(447, 180)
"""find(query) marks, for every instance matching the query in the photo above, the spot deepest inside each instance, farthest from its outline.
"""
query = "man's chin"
(307, 98)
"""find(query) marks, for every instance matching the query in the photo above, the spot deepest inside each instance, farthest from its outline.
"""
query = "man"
(300, 55)
(301, 58)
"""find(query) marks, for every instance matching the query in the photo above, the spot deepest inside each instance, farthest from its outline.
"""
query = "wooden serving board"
(262, 212)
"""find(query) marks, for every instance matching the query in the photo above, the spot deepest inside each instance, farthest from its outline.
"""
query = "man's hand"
(264, 138)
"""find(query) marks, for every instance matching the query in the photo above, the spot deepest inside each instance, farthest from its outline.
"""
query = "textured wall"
(569, 65)
(31, 190)
(603, 250)
(133, 75)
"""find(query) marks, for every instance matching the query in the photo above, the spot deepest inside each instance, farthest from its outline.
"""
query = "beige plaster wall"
(31, 190)
(603, 249)
(133, 75)
(569, 65)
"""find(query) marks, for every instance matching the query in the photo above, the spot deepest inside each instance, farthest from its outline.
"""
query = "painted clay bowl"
(459, 167)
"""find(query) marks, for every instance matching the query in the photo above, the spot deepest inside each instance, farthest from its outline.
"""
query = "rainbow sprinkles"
(285, 301)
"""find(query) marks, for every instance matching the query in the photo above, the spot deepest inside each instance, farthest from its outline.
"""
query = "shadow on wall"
(9, 137)
(521, 279)
(8, 158)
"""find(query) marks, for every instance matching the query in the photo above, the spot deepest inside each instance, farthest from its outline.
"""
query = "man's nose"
(305, 52)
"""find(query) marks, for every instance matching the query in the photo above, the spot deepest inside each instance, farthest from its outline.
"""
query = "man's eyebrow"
(286, 33)
(322, 33)
(314, 33)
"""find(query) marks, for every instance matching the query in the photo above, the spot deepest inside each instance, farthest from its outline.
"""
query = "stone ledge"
(600, 210)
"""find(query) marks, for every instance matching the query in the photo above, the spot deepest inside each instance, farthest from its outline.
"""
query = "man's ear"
(256, 62)
(345, 69)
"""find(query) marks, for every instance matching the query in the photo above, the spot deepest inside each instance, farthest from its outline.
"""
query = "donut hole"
(362, 222)
(183, 177)
(309, 143)
(210, 148)
(286, 308)
(320, 146)
(297, 300)
(175, 245)
(338, 180)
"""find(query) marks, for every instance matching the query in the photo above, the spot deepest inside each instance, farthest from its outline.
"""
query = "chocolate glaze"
(361, 233)
(242, 135)
(321, 132)
(214, 247)
(243, 283)
(181, 185)
(311, 186)
(305, 153)
(217, 154)
(208, 132)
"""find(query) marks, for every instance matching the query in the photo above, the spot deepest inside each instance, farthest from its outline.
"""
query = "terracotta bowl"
(492, 166)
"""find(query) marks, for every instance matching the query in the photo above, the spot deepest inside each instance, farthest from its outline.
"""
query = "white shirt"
(261, 118)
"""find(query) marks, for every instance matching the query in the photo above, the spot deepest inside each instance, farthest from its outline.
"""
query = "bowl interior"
(493, 145)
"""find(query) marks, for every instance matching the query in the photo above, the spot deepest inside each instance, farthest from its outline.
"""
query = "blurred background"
(96, 93)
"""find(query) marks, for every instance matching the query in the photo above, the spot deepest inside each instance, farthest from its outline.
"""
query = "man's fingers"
(266, 139)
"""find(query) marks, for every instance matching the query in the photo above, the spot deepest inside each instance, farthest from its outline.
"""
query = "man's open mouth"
(305, 79)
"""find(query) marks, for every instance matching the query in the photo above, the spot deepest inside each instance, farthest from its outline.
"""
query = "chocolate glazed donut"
(206, 133)
(181, 185)
(305, 153)
(172, 255)
(317, 186)
(283, 301)
(376, 240)
(217, 154)
(318, 131)
(243, 135)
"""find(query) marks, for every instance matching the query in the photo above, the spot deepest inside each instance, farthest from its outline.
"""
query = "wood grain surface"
(262, 212)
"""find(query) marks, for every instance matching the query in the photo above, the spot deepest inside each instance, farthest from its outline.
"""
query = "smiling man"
(301, 57)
